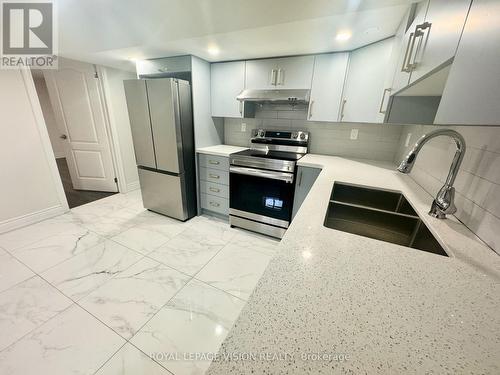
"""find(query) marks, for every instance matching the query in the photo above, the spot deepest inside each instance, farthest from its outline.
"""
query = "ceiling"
(118, 32)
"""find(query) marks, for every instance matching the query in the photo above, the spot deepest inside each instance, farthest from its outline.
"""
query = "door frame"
(110, 127)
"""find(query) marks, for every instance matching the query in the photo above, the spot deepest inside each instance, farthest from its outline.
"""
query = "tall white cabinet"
(227, 81)
(472, 92)
(367, 89)
(327, 85)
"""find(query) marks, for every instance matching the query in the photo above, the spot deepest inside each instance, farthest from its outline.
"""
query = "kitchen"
(317, 203)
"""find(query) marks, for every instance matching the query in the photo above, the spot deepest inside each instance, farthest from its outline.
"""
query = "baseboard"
(34, 217)
(133, 186)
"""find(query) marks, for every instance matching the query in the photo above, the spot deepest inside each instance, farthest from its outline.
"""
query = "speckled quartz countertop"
(368, 306)
(220, 150)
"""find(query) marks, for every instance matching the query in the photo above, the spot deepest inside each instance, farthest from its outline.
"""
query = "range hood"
(289, 96)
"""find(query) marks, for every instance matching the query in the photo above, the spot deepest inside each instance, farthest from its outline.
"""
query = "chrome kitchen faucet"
(443, 204)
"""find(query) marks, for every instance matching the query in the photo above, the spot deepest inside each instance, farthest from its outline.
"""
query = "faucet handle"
(444, 203)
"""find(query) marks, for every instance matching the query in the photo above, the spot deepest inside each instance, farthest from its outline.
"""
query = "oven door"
(261, 195)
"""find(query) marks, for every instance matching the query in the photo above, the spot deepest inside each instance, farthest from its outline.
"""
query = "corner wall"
(30, 188)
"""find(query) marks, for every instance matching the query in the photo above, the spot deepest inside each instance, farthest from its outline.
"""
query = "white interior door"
(79, 111)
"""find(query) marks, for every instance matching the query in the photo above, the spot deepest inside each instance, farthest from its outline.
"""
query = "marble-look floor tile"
(189, 251)
(26, 306)
(83, 273)
(27, 235)
(196, 320)
(50, 251)
(235, 269)
(131, 298)
(256, 242)
(12, 271)
(131, 361)
(213, 227)
(118, 221)
(73, 342)
(143, 239)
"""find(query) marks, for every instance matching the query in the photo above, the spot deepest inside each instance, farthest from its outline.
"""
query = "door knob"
(64, 136)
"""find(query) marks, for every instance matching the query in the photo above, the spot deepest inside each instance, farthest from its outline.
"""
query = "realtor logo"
(28, 35)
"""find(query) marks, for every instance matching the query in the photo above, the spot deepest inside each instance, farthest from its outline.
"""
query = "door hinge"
(116, 180)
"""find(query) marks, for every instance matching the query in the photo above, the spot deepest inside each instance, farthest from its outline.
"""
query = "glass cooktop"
(281, 155)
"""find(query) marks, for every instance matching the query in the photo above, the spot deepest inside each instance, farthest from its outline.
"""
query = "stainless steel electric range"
(262, 181)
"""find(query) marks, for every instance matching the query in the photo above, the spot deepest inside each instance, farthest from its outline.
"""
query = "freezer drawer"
(163, 193)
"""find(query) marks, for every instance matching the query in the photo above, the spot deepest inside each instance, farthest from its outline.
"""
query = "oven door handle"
(287, 177)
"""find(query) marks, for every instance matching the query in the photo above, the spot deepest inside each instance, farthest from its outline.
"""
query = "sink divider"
(375, 209)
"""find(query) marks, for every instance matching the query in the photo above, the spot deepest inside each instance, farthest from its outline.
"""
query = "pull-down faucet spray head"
(444, 202)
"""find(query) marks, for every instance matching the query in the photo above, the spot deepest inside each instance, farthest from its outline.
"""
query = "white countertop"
(220, 150)
(390, 309)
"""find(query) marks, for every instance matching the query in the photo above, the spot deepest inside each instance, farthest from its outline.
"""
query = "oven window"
(261, 196)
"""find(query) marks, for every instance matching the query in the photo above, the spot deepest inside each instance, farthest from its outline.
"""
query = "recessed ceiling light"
(213, 50)
(343, 36)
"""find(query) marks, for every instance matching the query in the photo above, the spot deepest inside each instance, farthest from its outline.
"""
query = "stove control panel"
(277, 135)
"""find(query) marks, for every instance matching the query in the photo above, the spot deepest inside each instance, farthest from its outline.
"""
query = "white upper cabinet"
(327, 85)
(436, 39)
(261, 74)
(295, 72)
(366, 92)
(286, 73)
(407, 39)
(227, 81)
(472, 92)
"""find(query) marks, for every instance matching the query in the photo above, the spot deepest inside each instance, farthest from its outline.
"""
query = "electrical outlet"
(354, 134)
(407, 142)
(243, 127)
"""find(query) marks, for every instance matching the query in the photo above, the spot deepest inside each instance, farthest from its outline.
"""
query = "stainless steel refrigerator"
(162, 130)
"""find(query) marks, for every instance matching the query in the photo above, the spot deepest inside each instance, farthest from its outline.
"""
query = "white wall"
(120, 124)
(478, 182)
(30, 188)
(207, 130)
(48, 115)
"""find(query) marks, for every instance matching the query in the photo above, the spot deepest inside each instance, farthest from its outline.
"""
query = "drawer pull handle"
(214, 162)
(215, 204)
(215, 190)
(211, 175)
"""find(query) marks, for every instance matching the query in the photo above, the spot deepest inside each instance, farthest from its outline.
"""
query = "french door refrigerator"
(162, 131)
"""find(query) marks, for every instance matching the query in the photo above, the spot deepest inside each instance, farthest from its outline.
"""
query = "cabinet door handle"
(273, 77)
(281, 77)
(214, 162)
(342, 109)
(311, 108)
(300, 178)
(381, 109)
(411, 42)
(214, 204)
(241, 107)
(214, 190)
(211, 175)
(419, 33)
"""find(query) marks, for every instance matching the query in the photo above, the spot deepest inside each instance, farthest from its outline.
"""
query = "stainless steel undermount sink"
(384, 215)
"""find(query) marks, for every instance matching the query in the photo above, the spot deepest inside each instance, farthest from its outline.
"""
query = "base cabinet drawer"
(214, 189)
(215, 204)
(214, 175)
(213, 161)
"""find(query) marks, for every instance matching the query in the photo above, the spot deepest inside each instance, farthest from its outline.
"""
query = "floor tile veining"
(111, 288)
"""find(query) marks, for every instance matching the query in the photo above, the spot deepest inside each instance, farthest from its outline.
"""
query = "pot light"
(213, 50)
(343, 36)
